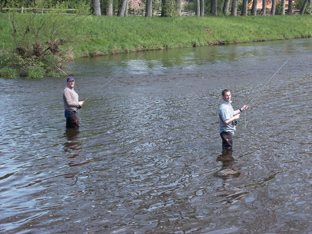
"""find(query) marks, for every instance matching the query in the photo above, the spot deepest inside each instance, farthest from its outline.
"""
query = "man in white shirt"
(228, 119)
(71, 104)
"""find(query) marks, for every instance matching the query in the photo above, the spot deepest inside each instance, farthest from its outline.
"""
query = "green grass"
(108, 35)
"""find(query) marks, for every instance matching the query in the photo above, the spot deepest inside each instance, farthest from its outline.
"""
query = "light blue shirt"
(226, 111)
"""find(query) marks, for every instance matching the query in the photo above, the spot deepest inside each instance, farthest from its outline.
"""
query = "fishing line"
(100, 88)
(61, 70)
(264, 87)
(109, 80)
(268, 81)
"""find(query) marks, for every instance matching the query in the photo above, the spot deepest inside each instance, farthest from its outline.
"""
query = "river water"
(148, 158)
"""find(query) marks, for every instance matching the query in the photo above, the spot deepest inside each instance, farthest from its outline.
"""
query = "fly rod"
(268, 81)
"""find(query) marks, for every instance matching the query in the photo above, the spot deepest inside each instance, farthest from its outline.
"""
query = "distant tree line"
(169, 8)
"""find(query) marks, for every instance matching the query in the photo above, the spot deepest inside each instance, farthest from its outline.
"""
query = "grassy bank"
(118, 35)
(105, 35)
(95, 36)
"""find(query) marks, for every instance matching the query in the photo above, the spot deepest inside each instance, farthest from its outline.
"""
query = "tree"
(198, 7)
(226, 7)
(283, 7)
(202, 7)
(273, 8)
(214, 7)
(245, 8)
(123, 9)
(179, 7)
(290, 7)
(169, 8)
(163, 8)
(264, 7)
(234, 8)
(303, 8)
(254, 8)
(109, 8)
(97, 7)
(149, 8)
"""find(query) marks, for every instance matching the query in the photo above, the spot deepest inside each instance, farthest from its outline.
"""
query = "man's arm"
(235, 117)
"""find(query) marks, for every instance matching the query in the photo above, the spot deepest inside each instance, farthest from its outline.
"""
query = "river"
(147, 157)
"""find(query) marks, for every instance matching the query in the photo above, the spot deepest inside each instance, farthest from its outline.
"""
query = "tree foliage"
(39, 34)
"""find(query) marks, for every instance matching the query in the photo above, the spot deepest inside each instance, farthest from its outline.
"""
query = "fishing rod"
(268, 81)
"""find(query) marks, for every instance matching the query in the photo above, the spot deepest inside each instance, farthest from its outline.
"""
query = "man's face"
(71, 83)
(227, 96)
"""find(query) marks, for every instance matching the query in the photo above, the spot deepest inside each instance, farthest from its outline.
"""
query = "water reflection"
(73, 148)
(228, 173)
(227, 165)
(73, 144)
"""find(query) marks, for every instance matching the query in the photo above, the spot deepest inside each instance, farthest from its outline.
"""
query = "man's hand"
(245, 107)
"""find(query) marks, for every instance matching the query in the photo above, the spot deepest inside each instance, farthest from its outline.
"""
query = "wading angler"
(228, 119)
(71, 104)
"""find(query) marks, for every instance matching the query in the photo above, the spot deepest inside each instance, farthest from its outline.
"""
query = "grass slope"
(103, 35)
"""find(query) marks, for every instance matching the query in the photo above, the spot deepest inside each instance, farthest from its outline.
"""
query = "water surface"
(147, 158)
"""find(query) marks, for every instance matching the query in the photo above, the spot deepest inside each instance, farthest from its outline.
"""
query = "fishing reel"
(234, 123)
(78, 107)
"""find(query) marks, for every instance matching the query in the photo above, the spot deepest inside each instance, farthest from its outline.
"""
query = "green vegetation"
(88, 36)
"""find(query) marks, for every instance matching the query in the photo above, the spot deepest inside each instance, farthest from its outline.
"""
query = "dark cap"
(70, 79)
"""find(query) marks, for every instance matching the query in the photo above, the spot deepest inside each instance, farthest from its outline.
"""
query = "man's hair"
(224, 91)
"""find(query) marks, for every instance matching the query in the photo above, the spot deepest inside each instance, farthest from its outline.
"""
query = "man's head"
(226, 95)
(70, 81)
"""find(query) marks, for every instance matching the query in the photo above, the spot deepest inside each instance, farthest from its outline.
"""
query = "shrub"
(35, 72)
(8, 72)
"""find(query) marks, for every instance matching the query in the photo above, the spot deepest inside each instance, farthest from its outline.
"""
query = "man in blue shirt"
(228, 119)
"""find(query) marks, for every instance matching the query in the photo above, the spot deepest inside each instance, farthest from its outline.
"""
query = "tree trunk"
(283, 7)
(214, 7)
(97, 7)
(264, 7)
(303, 8)
(254, 8)
(149, 8)
(234, 8)
(245, 8)
(179, 7)
(273, 7)
(290, 7)
(226, 7)
(123, 8)
(110, 8)
(163, 6)
(198, 7)
(202, 7)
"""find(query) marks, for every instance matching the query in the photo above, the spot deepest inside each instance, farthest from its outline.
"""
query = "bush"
(39, 38)
(35, 72)
(8, 72)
